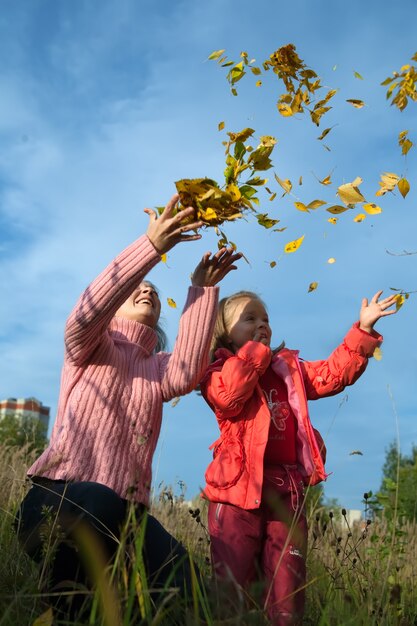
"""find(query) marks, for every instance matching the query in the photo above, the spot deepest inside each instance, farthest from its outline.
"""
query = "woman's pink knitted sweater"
(113, 384)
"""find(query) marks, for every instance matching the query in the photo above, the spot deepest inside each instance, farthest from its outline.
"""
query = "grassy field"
(362, 575)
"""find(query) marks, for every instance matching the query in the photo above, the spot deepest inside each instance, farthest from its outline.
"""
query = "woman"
(110, 407)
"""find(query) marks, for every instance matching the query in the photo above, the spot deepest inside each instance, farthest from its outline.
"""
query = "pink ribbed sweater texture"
(113, 385)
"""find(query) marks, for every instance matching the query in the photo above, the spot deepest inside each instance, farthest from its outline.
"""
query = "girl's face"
(142, 306)
(247, 320)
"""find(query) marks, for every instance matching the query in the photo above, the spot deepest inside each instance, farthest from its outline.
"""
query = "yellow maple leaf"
(359, 217)
(349, 192)
(377, 354)
(292, 246)
(258, 83)
(332, 220)
(312, 286)
(172, 303)
(358, 104)
(371, 208)
(403, 187)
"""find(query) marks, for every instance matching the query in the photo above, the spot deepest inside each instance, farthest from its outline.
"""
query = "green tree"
(398, 492)
(20, 432)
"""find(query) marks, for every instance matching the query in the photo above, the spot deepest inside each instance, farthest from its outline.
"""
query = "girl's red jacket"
(231, 388)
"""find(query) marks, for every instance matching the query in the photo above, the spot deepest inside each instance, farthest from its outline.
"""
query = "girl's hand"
(370, 313)
(212, 269)
(168, 229)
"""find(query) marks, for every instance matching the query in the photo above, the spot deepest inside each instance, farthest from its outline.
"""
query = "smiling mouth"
(145, 301)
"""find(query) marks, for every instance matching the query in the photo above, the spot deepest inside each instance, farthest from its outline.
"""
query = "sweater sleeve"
(343, 367)
(182, 370)
(228, 390)
(95, 308)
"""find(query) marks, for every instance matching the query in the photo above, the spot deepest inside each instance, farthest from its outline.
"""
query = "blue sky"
(105, 104)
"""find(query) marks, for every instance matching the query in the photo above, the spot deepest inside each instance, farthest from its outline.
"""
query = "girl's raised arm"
(182, 370)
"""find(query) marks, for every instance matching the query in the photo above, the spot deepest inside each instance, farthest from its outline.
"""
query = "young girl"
(268, 451)
(110, 405)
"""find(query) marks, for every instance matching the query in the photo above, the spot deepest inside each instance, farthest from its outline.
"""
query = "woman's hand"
(212, 269)
(372, 312)
(165, 231)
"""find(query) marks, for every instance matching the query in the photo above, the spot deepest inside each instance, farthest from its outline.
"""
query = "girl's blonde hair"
(221, 334)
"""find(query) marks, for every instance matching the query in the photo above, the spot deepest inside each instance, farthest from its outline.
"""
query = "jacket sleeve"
(182, 370)
(344, 365)
(88, 322)
(228, 390)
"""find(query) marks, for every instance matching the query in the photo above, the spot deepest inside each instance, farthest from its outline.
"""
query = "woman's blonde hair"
(221, 333)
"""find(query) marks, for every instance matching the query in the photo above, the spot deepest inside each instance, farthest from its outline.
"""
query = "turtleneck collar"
(135, 332)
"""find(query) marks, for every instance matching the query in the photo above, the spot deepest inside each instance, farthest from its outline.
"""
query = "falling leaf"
(371, 208)
(175, 401)
(336, 209)
(272, 264)
(164, 258)
(315, 204)
(357, 75)
(256, 71)
(312, 286)
(215, 55)
(258, 83)
(172, 303)
(405, 143)
(324, 133)
(400, 298)
(301, 206)
(326, 180)
(300, 181)
(349, 192)
(403, 187)
(285, 184)
(377, 354)
(292, 246)
(358, 104)
(356, 452)
(265, 221)
(221, 125)
(359, 218)
(332, 220)
(331, 260)
(387, 183)
(285, 109)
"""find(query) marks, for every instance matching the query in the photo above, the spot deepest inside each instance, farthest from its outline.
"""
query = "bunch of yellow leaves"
(404, 83)
(212, 204)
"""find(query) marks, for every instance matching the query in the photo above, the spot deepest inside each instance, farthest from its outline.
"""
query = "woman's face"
(142, 306)
(247, 320)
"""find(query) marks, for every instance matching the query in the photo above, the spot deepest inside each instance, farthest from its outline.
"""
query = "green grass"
(364, 575)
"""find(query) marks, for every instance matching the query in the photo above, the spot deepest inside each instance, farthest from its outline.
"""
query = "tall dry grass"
(360, 575)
